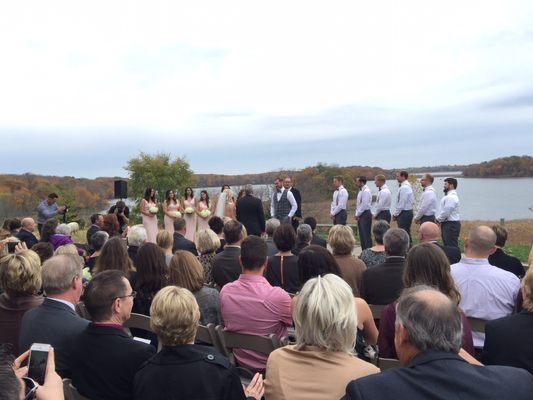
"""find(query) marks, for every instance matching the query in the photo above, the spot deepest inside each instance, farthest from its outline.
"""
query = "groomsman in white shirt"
(448, 218)
(363, 215)
(383, 200)
(428, 201)
(404, 205)
(340, 200)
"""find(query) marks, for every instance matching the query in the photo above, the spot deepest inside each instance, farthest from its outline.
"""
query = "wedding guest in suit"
(270, 227)
(136, 237)
(403, 214)
(448, 217)
(189, 206)
(250, 212)
(429, 232)
(383, 283)
(428, 201)
(283, 205)
(502, 260)
(25, 233)
(376, 254)
(428, 340)
(311, 221)
(383, 199)
(181, 241)
(282, 269)
(115, 256)
(122, 211)
(227, 265)
(509, 340)
(216, 224)
(340, 200)
(97, 223)
(208, 243)
(321, 362)
(55, 321)
(104, 358)
(171, 206)
(304, 234)
(147, 207)
(363, 215)
(297, 217)
(203, 205)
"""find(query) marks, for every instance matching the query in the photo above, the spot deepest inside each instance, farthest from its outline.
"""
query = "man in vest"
(283, 205)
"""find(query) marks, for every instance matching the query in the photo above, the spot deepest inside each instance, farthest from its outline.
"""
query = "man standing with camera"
(48, 209)
(122, 212)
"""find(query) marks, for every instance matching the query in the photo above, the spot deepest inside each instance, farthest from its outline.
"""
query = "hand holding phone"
(38, 361)
(52, 386)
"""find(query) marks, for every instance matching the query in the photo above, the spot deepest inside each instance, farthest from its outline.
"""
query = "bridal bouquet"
(189, 210)
(153, 210)
(205, 213)
(176, 214)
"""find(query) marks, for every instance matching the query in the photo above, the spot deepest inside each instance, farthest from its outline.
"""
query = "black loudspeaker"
(121, 190)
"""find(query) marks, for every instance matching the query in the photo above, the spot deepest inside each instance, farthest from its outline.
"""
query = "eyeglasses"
(132, 295)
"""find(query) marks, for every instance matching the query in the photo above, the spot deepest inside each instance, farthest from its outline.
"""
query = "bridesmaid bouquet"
(205, 213)
(189, 210)
(176, 214)
(153, 210)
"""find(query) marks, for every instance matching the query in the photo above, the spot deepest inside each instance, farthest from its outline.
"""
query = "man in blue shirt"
(48, 209)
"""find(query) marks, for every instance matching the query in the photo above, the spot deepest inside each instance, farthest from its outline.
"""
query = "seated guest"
(55, 322)
(182, 369)
(428, 340)
(136, 237)
(151, 275)
(502, 260)
(25, 233)
(48, 229)
(382, 283)
(14, 226)
(216, 224)
(111, 225)
(375, 255)
(251, 305)
(342, 244)
(509, 340)
(114, 256)
(56, 234)
(208, 244)
(311, 221)
(165, 242)
(97, 242)
(426, 264)
(304, 234)
(321, 363)
(282, 269)
(97, 223)
(104, 359)
(20, 280)
(270, 227)
(487, 292)
(180, 241)
(226, 266)
(187, 272)
(44, 250)
(429, 232)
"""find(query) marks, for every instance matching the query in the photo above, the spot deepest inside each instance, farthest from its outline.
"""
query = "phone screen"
(37, 365)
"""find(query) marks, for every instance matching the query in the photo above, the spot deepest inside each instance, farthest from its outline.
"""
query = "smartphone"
(37, 362)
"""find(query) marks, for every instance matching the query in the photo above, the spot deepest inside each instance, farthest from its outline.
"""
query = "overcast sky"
(252, 86)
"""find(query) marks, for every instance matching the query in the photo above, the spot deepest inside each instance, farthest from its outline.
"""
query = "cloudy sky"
(251, 86)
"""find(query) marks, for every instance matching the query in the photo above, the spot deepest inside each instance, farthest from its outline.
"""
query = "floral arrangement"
(176, 214)
(205, 213)
(153, 210)
(189, 210)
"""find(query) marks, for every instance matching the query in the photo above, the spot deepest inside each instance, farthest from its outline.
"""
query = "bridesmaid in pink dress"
(170, 206)
(190, 219)
(203, 204)
(149, 219)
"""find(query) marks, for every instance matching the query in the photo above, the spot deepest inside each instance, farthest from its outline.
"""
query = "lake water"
(480, 198)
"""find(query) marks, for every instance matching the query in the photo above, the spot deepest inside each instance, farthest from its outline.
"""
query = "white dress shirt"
(449, 207)
(405, 198)
(68, 303)
(487, 292)
(340, 199)
(428, 203)
(364, 201)
(383, 199)
(290, 197)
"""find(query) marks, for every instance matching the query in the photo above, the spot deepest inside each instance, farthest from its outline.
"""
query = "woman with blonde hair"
(165, 241)
(342, 242)
(321, 363)
(208, 244)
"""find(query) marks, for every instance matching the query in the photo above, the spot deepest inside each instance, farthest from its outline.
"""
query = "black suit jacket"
(250, 213)
(27, 237)
(227, 266)
(182, 243)
(53, 323)
(317, 240)
(453, 253)
(298, 198)
(509, 341)
(382, 284)
(104, 362)
(508, 263)
(438, 375)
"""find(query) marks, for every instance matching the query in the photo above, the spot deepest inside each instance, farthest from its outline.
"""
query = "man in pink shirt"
(251, 305)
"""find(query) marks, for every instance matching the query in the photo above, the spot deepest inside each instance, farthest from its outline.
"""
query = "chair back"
(388, 363)
(477, 324)
(234, 340)
(208, 335)
(70, 392)
(138, 321)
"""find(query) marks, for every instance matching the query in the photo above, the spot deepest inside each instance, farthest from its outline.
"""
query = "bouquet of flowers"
(176, 214)
(189, 210)
(153, 210)
(205, 213)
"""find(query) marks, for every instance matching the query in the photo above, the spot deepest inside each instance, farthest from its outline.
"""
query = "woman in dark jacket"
(282, 269)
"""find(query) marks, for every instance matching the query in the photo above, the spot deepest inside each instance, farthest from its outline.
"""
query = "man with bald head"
(26, 232)
(487, 292)
(429, 232)
(428, 343)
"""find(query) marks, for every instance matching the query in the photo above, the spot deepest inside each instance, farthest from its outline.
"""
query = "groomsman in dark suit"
(297, 217)
(250, 212)
(340, 200)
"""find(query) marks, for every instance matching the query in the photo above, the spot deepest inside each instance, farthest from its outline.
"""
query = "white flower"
(205, 213)
(153, 210)
(176, 214)
(189, 210)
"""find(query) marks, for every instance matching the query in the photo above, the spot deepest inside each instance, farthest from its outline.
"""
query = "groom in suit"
(297, 217)
(250, 212)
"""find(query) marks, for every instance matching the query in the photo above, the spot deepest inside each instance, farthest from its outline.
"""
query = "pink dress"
(190, 220)
(150, 222)
(169, 222)
(203, 222)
